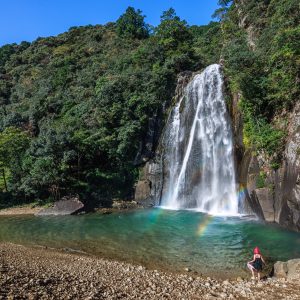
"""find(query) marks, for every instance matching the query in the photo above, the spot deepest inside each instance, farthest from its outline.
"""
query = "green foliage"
(267, 75)
(131, 24)
(261, 54)
(91, 99)
(262, 136)
(13, 144)
(172, 32)
(224, 2)
(261, 180)
(207, 42)
(284, 64)
(221, 12)
(5, 53)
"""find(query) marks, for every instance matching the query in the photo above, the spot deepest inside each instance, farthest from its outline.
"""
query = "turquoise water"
(158, 238)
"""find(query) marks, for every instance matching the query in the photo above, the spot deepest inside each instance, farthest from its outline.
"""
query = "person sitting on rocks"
(256, 264)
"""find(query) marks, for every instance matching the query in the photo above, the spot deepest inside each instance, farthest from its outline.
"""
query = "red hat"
(256, 250)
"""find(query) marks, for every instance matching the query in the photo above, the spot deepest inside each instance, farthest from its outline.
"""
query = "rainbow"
(203, 225)
(241, 193)
(153, 217)
(207, 219)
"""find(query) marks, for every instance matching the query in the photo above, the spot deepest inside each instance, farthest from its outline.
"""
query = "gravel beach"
(41, 273)
(19, 210)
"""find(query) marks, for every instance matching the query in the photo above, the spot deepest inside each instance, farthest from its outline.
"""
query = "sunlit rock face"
(277, 198)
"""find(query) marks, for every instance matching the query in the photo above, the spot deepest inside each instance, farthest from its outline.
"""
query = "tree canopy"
(132, 25)
(90, 102)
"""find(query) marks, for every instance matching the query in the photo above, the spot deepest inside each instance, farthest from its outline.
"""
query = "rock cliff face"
(274, 195)
(246, 24)
(149, 188)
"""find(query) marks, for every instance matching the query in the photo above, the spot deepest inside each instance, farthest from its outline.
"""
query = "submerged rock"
(121, 204)
(63, 207)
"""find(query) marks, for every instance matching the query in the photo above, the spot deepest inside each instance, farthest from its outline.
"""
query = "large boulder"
(266, 202)
(148, 188)
(280, 269)
(289, 270)
(63, 207)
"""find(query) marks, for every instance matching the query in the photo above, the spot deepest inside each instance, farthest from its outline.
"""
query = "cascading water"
(198, 161)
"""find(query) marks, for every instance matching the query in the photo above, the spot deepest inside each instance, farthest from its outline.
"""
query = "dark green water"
(158, 238)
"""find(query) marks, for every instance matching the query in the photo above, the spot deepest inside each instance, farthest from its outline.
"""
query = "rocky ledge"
(66, 206)
(39, 273)
(289, 270)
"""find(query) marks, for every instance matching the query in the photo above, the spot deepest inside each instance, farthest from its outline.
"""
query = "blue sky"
(28, 19)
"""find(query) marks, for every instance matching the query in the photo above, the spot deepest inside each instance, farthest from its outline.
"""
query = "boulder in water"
(64, 207)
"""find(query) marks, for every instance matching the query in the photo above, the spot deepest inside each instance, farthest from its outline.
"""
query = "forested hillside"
(81, 111)
(77, 109)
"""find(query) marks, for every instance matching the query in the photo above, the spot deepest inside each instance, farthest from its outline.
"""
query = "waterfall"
(198, 152)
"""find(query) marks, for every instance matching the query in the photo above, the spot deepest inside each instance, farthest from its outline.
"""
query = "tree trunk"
(4, 179)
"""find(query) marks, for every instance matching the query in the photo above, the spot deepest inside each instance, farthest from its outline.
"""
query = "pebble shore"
(19, 210)
(40, 273)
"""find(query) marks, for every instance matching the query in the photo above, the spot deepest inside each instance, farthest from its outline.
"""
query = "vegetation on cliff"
(261, 50)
